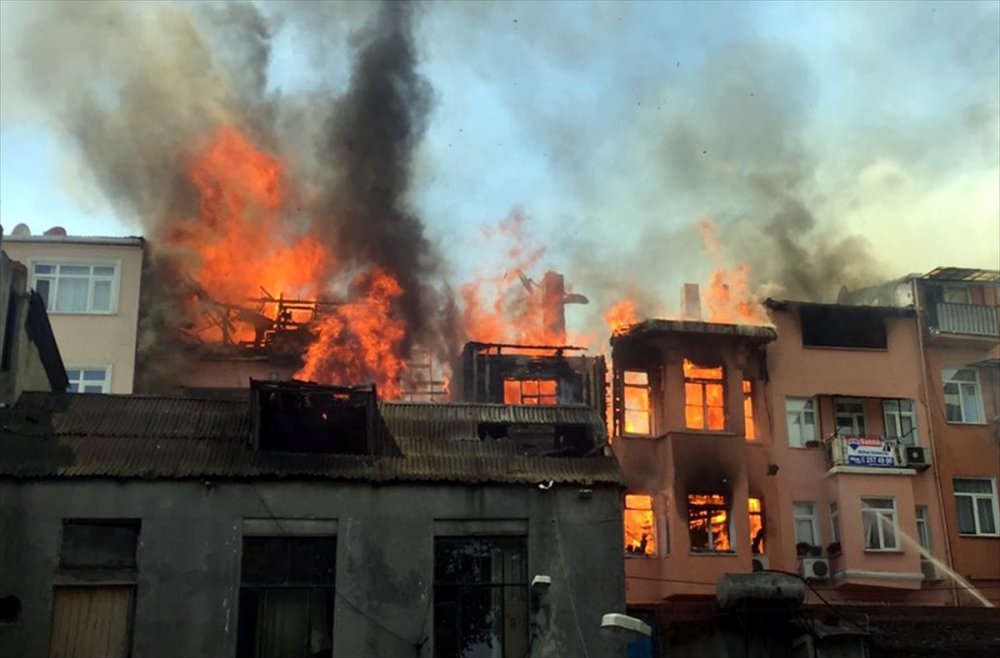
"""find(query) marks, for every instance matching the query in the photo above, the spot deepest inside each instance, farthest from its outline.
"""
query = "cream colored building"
(91, 290)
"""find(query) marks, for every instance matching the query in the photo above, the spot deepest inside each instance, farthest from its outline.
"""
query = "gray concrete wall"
(190, 547)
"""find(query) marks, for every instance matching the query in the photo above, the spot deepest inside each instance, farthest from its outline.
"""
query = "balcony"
(866, 453)
(964, 319)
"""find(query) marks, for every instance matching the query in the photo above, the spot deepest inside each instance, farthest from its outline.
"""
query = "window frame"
(893, 514)
(654, 531)
(911, 439)
(951, 288)
(53, 293)
(438, 584)
(859, 420)
(922, 513)
(647, 389)
(834, 522)
(749, 417)
(759, 514)
(539, 398)
(809, 407)
(710, 508)
(105, 383)
(703, 383)
(811, 516)
(992, 497)
(977, 386)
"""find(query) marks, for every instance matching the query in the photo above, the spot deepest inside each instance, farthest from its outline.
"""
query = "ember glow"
(238, 249)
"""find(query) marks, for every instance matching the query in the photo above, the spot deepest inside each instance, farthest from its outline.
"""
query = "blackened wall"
(190, 549)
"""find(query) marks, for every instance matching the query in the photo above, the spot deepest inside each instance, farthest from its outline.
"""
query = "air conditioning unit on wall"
(814, 568)
(917, 457)
(760, 563)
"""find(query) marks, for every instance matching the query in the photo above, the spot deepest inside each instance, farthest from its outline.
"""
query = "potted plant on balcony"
(833, 549)
(803, 548)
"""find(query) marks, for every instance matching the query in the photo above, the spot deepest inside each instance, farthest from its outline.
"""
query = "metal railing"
(972, 319)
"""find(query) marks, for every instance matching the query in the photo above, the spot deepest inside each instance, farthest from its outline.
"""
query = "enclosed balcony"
(964, 319)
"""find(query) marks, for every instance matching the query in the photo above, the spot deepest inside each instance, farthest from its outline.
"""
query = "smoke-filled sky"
(838, 143)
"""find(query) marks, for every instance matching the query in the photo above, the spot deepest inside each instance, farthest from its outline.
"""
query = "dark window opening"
(843, 326)
(317, 419)
(568, 440)
(287, 597)
(480, 597)
(99, 544)
(10, 609)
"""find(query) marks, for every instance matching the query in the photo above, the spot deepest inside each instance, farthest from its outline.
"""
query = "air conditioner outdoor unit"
(930, 570)
(815, 568)
(917, 457)
(760, 563)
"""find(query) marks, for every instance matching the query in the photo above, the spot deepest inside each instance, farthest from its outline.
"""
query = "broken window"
(843, 326)
(530, 391)
(640, 527)
(756, 525)
(287, 597)
(636, 392)
(301, 417)
(849, 416)
(749, 430)
(480, 596)
(704, 402)
(709, 523)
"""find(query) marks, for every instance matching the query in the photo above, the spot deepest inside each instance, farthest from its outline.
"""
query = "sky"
(858, 139)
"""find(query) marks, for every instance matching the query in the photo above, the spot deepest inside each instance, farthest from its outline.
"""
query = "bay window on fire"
(709, 523)
(636, 397)
(704, 398)
(640, 525)
(749, 432)
(878, 519)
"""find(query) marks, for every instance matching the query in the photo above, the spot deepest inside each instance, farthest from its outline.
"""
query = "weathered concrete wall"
(190, 548)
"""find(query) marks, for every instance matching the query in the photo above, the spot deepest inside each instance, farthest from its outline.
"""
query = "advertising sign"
(870, 451)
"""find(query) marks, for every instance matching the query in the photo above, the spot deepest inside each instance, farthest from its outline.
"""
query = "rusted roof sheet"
(62, 435)
(966, 274)
(757, 333)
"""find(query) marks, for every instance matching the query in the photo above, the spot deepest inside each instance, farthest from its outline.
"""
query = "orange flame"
(238, 244)
(621, 316)
(728, 297)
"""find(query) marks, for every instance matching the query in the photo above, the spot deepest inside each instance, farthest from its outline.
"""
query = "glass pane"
(973, 485)
(803, 509)
(547, 387)
(529, 387)
(44, 269)
(72, 295)
(804, 532)
(794, 430)
(987, 524)
(76, 270)
(636, 398)
(694, 417)
(73, 387)
(713, 395)
(966, 515)
(639, 535)
(73, 374)
(906, 405)
(890, 405)
(888, 531)
(42, 287)
(964, 375)
(693, 394)
(94, 375)
(694, 371)
(511, 391)
(637, 422)
(104, 271)
(794, 404)
(638, 501)
(636, 378)
(716, 418)
(102, 296)
(877, 503)
(970, 403)
(868, 521)
(93, 389)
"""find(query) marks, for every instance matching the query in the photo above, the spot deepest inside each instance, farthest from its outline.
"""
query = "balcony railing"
(864, 451)
(970, 319)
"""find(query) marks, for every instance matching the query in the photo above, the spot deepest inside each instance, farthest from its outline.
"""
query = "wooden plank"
(91, 621)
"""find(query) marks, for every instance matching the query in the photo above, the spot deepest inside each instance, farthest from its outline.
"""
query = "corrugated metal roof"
(968, 274)
(122, 436)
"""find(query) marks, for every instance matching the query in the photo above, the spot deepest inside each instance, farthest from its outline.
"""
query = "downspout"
(920, 321)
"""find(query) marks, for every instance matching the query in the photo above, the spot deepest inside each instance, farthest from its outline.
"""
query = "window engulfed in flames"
(756, 510)
(640, 529)
(704, 401)
(636, 393)
(530, 391)
(709, 522)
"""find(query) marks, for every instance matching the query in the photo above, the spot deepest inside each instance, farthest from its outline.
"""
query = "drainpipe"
(920, 320)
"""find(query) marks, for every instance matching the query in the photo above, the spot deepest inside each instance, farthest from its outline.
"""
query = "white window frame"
(809, 515)
(648, 411)
(104, 383)
(859, 424)
(896, 417)
(946, 375)
(923, 514)
(966, 294)
(91, 278)
(880, 512)
(808, 408)
(834, 523)
(992, 497)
